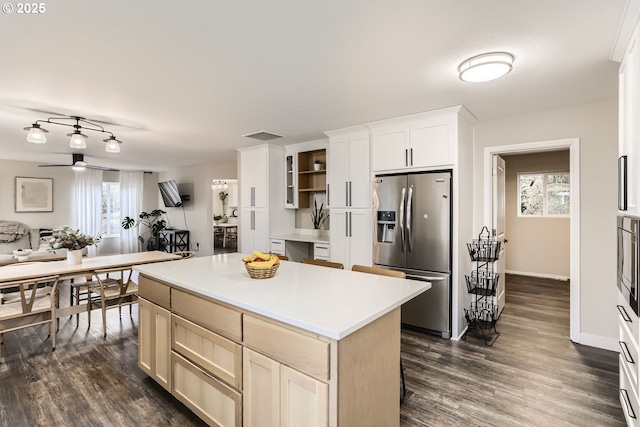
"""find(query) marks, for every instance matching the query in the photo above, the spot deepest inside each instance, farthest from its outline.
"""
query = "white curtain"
(131, 184)
(88, 201)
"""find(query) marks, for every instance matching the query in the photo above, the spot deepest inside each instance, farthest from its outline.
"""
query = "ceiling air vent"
(263, 136)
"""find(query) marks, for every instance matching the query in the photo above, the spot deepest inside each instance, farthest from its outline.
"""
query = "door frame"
(573, 144)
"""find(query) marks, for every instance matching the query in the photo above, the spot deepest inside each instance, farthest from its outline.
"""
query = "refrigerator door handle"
(402, 218)
(409, 203)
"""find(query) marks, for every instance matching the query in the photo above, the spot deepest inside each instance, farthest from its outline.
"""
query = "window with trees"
(543, 194)
(110, 208)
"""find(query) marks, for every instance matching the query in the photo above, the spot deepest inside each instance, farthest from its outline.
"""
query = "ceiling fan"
(78, 163)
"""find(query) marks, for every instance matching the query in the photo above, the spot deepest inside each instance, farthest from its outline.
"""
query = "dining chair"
(114, 289)
(390, 273)
(283, 257)
(322, 263)
(27, 304)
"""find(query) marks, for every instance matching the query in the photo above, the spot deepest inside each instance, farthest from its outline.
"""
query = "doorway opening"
(572, 146)
(225, 215)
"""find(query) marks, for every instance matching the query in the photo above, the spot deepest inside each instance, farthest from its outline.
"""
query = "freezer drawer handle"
(425, 278)
(627, 403)
(625, 352)
(624, 314)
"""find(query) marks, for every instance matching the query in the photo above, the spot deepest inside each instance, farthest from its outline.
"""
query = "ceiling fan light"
(79, 166)
(486, 67)
(36, 134)
(112, 146)
(78, 140)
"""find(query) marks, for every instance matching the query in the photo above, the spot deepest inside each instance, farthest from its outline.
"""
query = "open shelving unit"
(310, 180)
(482, 313)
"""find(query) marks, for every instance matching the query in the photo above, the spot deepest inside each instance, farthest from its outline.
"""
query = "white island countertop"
(326, 301)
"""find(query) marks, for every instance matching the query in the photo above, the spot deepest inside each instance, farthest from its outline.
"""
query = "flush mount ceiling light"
(78, 140)
(486, 67)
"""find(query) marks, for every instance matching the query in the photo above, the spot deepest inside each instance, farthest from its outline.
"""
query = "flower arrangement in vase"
(73, 241)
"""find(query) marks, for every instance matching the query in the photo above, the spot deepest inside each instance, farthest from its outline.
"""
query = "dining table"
(31, 270)
(225, 227)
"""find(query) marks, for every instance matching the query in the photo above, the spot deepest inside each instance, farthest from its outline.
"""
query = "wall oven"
(628, 233)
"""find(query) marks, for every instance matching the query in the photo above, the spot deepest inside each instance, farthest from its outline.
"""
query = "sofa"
(15, 235)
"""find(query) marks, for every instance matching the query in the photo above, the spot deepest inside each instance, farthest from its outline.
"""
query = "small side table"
(175, 240)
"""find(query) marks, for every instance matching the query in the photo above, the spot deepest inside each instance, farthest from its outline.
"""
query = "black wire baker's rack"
(482, 313)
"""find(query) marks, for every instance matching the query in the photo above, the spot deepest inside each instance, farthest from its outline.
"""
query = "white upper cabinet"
(350, 178)
(420, 143)
(629, 126)
(253, 177)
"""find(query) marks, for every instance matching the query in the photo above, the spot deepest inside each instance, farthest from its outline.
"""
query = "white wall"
(198, 211)
(62, 195)
(538, 246)
(596, 126)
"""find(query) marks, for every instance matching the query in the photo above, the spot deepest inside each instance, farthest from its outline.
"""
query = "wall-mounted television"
(170, 194)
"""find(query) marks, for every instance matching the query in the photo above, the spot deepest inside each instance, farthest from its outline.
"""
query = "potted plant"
(223, 199)
(318, 217)
(317, 165)
(74, 242)
(154, 224)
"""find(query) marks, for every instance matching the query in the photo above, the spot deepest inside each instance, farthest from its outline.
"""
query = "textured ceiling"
(183, 80)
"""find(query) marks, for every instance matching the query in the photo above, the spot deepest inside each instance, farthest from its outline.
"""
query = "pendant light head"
(78, 140)
(36, 134)
(486, 67)
(79, 166)
(113, 145)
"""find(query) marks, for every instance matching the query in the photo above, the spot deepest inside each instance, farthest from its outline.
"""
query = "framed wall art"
(34, 194)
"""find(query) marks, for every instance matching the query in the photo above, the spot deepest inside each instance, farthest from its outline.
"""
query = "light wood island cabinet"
(233, 366)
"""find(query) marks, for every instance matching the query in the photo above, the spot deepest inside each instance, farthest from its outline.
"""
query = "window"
(110, 208)
(543, 194)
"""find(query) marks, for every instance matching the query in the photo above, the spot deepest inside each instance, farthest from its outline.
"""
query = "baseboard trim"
(598, 341)
(542, 275)
(459, 337)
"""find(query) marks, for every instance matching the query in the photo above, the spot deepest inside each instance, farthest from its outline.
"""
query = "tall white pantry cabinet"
(261, 201)
(628, 164)
(350, 194)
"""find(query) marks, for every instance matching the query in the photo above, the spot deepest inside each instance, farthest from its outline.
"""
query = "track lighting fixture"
(78, 140)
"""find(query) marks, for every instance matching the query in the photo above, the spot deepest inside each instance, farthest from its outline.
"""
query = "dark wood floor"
(533, 375)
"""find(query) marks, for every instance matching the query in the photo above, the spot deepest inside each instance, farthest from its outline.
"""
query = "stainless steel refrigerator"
(412, 233)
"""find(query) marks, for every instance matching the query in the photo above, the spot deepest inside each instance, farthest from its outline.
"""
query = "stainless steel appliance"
(628, 234)
(412, 233)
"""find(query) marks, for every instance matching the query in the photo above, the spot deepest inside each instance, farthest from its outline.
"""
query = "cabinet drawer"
(628, 398)
(206, 313)
(289, 347)
(277, 247)
(628, 317)
(154, 291)
(213, 401)
(321, 251)
(218, 355)
(629, 353)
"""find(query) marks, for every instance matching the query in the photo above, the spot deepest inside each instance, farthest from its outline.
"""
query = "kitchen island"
(310, 346)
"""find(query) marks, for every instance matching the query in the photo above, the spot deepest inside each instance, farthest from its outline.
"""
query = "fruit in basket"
(262, 264)
(261, 255)
(247, 259)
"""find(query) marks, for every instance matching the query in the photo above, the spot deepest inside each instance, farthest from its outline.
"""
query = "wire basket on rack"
(485, 248)
(482, 282)
(262, 273)
(483, 312)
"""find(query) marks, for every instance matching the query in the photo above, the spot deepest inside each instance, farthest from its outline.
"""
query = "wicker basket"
(261, 273)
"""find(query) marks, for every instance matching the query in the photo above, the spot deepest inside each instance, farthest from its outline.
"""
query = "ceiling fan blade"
(101, 168)
(53, 166)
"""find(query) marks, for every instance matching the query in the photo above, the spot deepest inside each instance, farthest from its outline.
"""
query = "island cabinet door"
(303, 400)
(154, 342)
(261, 390)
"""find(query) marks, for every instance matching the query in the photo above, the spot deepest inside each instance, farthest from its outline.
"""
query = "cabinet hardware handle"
(625, 352)
(328, 193)
(624, 314)
(322, 247)
(350, 225)
(411, 156)
(253, 220)
(627, 403)
(276, 243)
(350, 202)
(346, 193)
(406, 157)
(346, 224)
(253, 196)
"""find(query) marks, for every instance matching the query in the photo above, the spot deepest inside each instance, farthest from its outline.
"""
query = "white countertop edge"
(337, 335)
